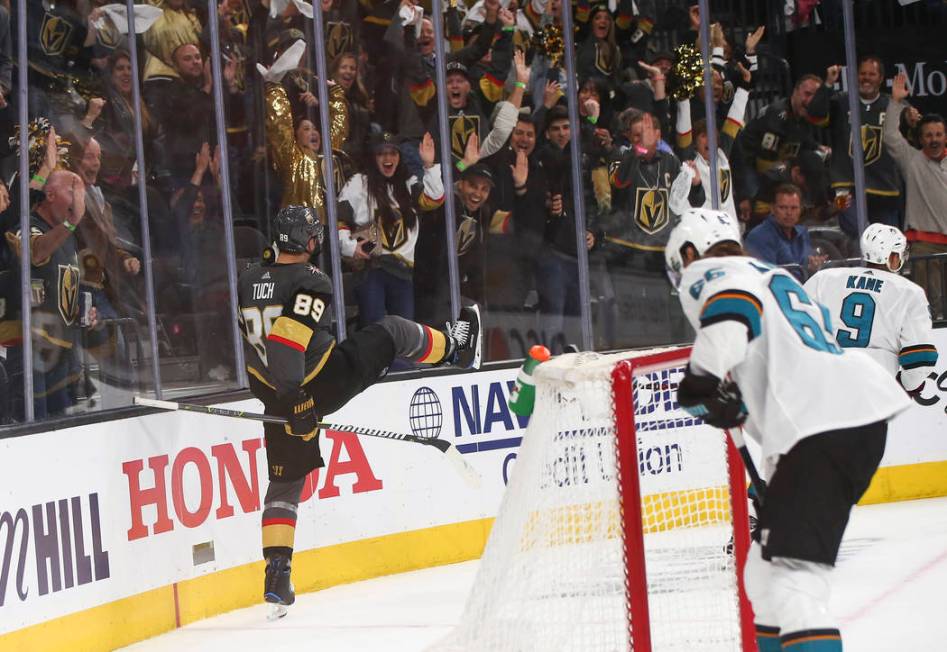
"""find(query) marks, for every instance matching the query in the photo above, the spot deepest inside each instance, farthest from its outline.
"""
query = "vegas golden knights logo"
(789, 150)
(339, 39)
(651, 209)
(108, 37)
(68, 293)
(54, 35)
(724, 184)
(461, 128)
(872, 143)
(603, 59)
(394, 236)
(466, 234)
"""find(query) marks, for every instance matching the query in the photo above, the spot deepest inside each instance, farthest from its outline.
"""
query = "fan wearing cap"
(406, 62)
(380, 215)
(765, 356)
(474, 213)
(468, 120)
(877, 310)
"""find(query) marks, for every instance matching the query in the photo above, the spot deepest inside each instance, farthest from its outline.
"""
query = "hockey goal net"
(623, 525)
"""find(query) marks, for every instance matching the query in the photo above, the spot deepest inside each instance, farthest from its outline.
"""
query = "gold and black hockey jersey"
(286, 317)
(54, 285)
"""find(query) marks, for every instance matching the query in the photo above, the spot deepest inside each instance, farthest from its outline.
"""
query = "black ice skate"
(464, 339)
(277, 587)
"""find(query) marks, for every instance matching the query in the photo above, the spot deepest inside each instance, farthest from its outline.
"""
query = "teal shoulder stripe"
(723, 307)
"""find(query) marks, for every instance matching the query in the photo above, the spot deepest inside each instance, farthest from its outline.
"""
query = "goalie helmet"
(879, 241)
(294, 226)
(702, 228)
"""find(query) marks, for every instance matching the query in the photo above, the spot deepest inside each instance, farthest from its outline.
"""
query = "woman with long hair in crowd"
(346, 73)
(112, 122)
(379, 215)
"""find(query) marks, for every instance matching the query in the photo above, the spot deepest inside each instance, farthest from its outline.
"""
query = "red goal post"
(624, 525)
(632, 523)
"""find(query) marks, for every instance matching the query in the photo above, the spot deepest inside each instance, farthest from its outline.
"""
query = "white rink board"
(918, 435)
(371, 488)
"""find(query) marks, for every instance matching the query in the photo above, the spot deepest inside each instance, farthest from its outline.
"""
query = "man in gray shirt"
(925, 178)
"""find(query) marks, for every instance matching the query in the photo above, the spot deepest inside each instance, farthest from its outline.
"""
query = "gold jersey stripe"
(287, 328)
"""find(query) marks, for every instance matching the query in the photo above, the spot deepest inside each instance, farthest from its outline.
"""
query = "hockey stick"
(736, 434)
(467, 472)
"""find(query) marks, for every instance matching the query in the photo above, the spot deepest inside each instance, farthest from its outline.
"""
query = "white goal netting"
(555, 574)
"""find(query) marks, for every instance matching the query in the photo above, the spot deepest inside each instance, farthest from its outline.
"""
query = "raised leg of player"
(458, 345)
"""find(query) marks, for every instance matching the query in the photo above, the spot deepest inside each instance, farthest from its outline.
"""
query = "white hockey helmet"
(702, 228)
(879, 241)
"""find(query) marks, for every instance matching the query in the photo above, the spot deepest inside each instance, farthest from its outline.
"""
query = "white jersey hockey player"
(765, 354)
(876, 309)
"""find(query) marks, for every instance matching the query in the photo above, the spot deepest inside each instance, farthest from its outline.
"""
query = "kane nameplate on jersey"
(300, 294)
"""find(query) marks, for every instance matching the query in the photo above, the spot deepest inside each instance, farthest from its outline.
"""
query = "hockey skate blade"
(275, 611)
(467, 472)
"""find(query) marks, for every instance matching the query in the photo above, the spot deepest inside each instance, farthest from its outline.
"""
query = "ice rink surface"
(888, 596)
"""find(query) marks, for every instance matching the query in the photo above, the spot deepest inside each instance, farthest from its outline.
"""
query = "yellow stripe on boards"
(907, 482)
(105, 627)
(148, 614)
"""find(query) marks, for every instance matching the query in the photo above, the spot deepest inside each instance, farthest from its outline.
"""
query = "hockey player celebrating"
(820, 415)
(299, 371)
(878, 310)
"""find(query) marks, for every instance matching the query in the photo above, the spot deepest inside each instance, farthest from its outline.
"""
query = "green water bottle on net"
(523, 395)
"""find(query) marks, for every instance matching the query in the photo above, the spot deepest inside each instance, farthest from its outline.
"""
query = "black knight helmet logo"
(54, 35)
(872, 143)
(68, 293)
(462, 127)
(651, 209)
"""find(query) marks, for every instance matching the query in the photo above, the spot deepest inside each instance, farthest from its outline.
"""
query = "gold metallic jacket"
(300, 171)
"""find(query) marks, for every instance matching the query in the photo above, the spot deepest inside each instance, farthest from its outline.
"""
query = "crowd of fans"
(784, 169)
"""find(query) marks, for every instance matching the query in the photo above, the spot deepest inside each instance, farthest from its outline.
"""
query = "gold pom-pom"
(687, 74)
(549, 42)
(38, 134)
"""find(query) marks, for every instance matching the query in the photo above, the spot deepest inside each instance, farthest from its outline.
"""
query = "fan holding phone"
(379, 213)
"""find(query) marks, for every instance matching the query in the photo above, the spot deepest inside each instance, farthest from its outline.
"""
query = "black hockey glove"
(299, 408)
(718, 403)
(915, 393)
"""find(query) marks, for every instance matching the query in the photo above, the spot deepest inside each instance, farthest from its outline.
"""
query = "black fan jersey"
(54, 285)
(286, 317)
(882, 176)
